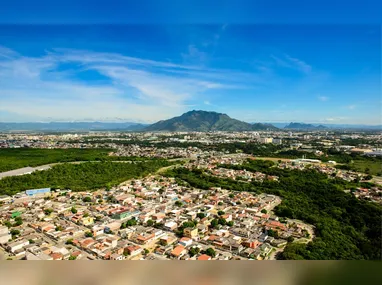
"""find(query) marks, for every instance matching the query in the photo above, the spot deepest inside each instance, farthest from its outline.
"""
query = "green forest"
(13, 158)
(80, 177)
(345, 227)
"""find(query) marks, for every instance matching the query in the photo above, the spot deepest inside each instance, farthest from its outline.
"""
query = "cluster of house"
(149, 218)
(323, 168)
(169, 152)
(242, 175)
(370, 194)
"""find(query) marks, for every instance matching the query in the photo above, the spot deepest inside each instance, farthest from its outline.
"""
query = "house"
(57, 256)
(41, 256)
(87, 221)
(124, 199)
(247, 252)
(121, 214)
(133, 250)
(179, 251)
(191, 215)
(167, 240)
(111, 241)
(190, 232)
(97, 230)
(227, 217)
(279, 242)
(116, 256)
(145, 238)
(170, 226)
(77, 254)
(256, 254)
(204, 257)
(185, 241)
(202, 229)
(14, 246)
(158, 217)
(114, 226)
(263, 237)
(87, 242)
(251, 243)
(265, 249)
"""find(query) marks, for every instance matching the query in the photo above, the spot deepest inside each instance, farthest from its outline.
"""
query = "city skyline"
(145, 73)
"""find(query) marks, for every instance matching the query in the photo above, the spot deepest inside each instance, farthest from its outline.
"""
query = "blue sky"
(321, 73)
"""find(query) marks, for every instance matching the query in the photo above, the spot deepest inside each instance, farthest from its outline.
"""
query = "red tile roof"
(204, 257)
(178, 250)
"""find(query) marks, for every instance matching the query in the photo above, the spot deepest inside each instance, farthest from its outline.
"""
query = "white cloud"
(351, 107)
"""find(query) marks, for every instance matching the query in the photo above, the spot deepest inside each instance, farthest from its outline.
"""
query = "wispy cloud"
(351, 107)
(323, 98)
(135, 88)
(288, 61)
(194, 55)
(335, 119)
(7, 53)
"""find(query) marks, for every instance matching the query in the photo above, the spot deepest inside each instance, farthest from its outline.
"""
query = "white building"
(265, 140)
(12, 247)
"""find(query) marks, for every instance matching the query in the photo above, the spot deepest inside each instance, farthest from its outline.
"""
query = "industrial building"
(33, 192)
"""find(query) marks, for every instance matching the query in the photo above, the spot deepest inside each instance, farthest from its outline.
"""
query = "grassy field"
(370, 166)
(17, 158)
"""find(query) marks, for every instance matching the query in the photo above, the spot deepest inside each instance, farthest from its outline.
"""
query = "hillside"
(204, 121)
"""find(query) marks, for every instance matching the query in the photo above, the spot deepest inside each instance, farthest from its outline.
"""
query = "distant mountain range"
(285, 125)
(72, 126)
(302, 126)
(204, 121)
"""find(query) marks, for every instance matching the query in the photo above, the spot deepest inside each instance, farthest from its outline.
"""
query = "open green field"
(17, 158)
(369, 166)
(81, 177)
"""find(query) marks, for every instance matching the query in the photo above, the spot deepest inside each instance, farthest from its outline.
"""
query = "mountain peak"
(204, 121)
(303, 126)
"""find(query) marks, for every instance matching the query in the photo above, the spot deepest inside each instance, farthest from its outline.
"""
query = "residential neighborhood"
(150, 218)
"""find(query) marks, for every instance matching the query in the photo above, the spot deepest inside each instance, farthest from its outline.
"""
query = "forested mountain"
(204, 121)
